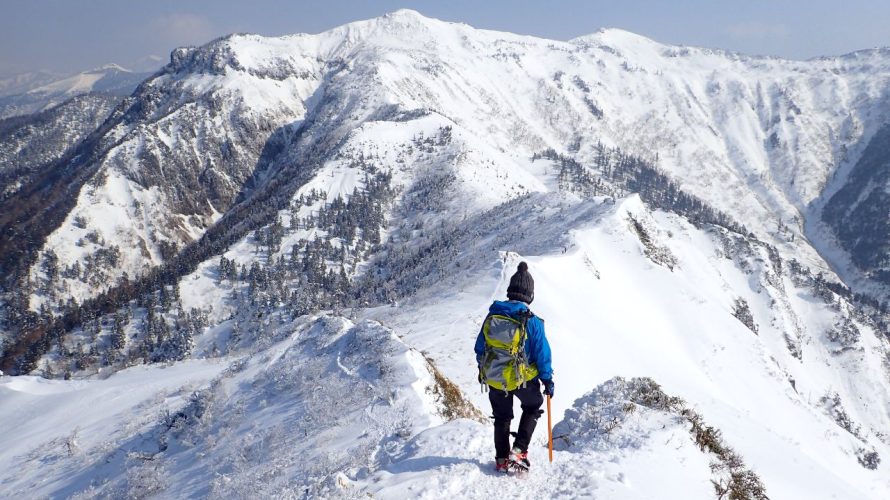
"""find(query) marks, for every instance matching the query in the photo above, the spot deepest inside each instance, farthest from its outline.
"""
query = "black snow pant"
(530, 399)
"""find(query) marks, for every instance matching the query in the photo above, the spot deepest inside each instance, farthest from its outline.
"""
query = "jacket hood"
(507, 307)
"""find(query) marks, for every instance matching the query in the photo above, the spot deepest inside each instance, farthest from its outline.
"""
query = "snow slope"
(327, 399)
(73, 426)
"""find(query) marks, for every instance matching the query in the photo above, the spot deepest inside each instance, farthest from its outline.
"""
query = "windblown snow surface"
(383, 401)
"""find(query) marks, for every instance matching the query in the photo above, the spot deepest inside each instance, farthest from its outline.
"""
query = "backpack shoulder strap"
(528, 314)
(523, 318)
(525, 315)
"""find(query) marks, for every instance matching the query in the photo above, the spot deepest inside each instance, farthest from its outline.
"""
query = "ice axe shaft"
(549, 431)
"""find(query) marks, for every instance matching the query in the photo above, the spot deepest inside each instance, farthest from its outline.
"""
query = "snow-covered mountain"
(22, 82)
(33, 92)
(310, 229)
(765, 135)
(32, 143)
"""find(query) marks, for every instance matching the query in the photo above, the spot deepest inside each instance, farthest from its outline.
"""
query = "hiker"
(511, 327)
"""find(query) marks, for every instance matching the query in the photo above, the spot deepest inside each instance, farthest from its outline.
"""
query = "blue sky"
(72, 35)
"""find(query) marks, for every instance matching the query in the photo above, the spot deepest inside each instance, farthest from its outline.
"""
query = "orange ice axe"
(549, 431)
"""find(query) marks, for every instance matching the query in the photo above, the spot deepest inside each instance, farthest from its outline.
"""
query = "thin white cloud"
(148, 63)
(757, 30)
(182, 29)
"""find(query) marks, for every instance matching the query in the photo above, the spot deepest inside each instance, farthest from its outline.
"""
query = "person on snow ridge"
(520, 374)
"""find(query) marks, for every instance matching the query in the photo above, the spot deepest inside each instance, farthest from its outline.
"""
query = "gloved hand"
(548, 387)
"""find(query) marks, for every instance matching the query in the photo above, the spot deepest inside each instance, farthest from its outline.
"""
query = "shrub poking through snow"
(868, 459)
(844, 333)
(450, 400)
(658, 254)
(794, 346)
(835, 409)
(596, 418)
(742, 312)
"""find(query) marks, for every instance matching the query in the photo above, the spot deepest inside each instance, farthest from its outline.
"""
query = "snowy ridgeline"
(783, 384)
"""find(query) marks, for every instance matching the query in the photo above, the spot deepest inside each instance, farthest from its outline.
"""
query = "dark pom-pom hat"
(522, 286)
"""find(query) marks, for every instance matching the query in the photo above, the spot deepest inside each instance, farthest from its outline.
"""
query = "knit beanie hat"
(522, 286)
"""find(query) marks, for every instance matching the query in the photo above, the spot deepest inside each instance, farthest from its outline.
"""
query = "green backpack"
(504, 364)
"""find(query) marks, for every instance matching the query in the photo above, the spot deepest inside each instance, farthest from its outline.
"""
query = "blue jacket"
(537, 349)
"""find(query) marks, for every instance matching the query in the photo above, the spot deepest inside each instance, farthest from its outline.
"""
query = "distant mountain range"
(33, 92)
(23, 82)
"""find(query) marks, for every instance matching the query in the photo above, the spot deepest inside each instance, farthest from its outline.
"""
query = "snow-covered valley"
(331, 216)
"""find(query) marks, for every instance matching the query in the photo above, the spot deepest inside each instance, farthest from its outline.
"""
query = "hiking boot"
(520, 457)
(501, 465)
